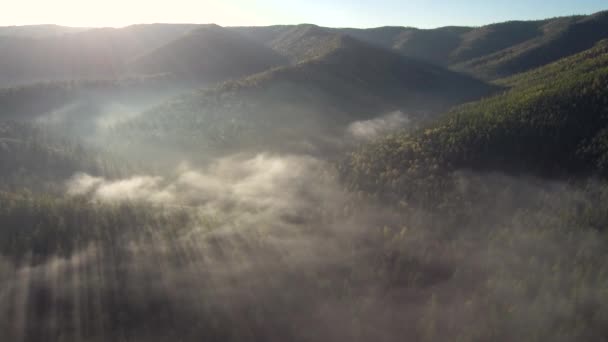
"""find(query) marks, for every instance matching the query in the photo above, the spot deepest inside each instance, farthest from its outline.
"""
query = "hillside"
(489, 39)
(551, 123)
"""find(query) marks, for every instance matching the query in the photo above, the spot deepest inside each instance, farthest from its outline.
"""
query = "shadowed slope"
(210, 53)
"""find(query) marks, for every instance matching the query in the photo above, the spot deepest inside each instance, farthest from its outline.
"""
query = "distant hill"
(552, 123)
(199, 52)
(50, 52)
(490, 51)
(210, 53)
(430, 45)
(496, 50)
(38, 31)
(560, 38)
(101, 53)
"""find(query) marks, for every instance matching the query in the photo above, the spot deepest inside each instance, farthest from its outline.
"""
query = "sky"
(334, 13)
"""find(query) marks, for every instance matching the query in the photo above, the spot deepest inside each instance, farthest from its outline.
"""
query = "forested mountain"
(340, 81)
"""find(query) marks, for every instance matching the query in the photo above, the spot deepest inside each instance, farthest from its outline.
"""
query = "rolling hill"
(434, 45)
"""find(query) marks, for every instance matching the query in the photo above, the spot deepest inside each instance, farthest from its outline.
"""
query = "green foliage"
(551, 123)
(346, 81)
(559, 38)
(34, 158)
(38, 227)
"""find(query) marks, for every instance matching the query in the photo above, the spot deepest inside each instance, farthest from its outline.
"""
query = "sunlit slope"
(306, 40)
(303, 42)
(100, 53)
(349, 80)
(553, 122)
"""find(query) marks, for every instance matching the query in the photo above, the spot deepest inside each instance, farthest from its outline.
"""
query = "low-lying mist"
(269, 189)
(276, 248)
(234, 224)
(367, 130)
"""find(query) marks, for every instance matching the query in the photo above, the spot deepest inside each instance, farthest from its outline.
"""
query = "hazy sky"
(337, 13)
